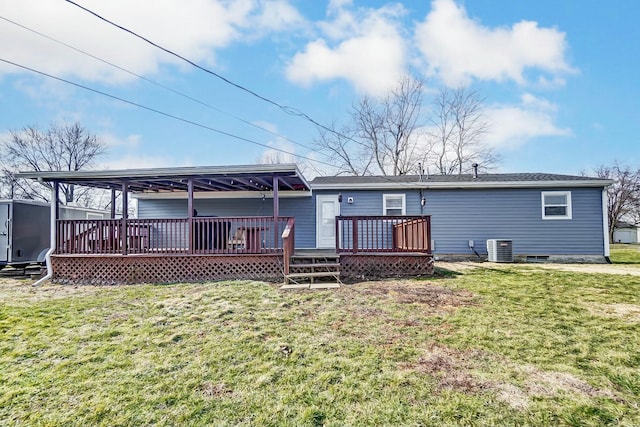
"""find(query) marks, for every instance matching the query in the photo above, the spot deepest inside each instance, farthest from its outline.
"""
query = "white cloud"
(110, 140)
(512, 126)
(459, 49)
(278, 16)
(196, 32)
(282, 151)
(364, 47)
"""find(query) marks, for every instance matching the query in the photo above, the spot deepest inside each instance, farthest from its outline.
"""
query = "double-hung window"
(556, 205)
(393, 204)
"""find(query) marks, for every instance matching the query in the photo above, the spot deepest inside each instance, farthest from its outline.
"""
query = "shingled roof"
(513, 180)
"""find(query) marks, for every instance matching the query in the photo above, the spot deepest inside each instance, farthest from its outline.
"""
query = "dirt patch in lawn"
(546, 384)
(433, 298)
(458, 370)
(628, 312)
(211, 391)
(450, 368)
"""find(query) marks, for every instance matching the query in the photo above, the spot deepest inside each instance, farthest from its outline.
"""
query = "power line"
(287, 109)
(191, 122)
(181, 119)
(184, 95)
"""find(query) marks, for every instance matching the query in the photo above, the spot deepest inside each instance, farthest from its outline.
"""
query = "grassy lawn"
(625, 254)
(506, 345)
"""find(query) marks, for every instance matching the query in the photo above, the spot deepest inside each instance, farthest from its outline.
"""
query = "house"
(25, 228)
(625, 232)
(269, 222)
(547, 217)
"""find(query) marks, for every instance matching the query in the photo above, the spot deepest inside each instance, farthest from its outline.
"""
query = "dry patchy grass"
(493, 345)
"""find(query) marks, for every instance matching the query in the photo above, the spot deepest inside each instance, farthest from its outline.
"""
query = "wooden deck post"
(125, 214)
(190, 228)
(113, 204)
(55, 214)
(355, 234)
(276, 210)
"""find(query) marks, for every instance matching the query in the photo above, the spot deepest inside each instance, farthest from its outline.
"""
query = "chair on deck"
(239, 239)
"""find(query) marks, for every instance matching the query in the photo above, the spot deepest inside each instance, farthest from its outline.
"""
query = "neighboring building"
(220, 222)
(625, 232)
(25, 228)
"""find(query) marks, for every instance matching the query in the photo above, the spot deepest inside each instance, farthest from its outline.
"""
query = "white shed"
(626, 233)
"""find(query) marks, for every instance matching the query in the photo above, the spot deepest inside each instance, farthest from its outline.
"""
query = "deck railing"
(200, 235)
(389, 234)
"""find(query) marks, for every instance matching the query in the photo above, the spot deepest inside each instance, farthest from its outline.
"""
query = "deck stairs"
(313, 270)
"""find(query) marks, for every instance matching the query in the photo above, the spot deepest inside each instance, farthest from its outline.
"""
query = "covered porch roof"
(240, 178)
(285, 177)
(277, 177)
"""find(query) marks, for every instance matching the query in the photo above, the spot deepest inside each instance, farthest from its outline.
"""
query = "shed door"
(4, 232)
(327, 208)
(623, 236)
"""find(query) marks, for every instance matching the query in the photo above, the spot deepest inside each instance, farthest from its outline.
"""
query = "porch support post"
(125, 214)
(190, 214)
(55, 213)
(276, 210)
(113, 203)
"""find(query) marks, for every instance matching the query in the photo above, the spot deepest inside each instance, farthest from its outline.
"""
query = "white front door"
(327, 208)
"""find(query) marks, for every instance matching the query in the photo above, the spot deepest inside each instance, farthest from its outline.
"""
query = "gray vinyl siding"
(371, 203)
(458, 216)
(303, 209)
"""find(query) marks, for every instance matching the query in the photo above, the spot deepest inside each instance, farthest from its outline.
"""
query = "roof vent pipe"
(475, 170)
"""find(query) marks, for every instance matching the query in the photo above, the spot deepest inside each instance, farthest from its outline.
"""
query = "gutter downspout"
(52, 234)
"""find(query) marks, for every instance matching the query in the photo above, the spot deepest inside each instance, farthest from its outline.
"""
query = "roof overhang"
(425, 185)
(243, 178)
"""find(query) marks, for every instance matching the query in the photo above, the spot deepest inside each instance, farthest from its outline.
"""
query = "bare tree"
(392, 135)
(381, 135)
(623, 194)
(350, 155)
(455, 137)
(59, 148)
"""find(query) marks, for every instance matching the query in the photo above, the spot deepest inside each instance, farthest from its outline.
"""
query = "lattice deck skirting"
(377, 266)
(116, 269)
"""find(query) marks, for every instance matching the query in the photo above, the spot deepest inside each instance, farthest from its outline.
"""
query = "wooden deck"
(199, 235)
(261, 248)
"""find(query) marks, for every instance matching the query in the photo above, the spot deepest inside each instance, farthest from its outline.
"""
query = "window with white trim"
(556, 205)
(393, 204)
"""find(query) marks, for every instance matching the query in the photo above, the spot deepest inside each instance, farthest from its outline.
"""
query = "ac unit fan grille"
(500, 250)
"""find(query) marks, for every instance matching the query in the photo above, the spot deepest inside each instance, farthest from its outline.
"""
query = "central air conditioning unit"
(500, 250)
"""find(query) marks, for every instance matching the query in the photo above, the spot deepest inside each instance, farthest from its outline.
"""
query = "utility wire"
(191, 122)
(287, 109)
(184, 95)
(162, 113)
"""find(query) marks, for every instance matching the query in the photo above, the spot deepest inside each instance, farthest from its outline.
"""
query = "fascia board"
(221, 195)
(463, 185)
(163, 172)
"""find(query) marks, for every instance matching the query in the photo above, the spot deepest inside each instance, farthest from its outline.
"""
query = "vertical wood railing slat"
(383, 234)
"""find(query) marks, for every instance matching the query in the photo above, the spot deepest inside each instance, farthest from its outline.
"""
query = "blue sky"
(560, 77)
